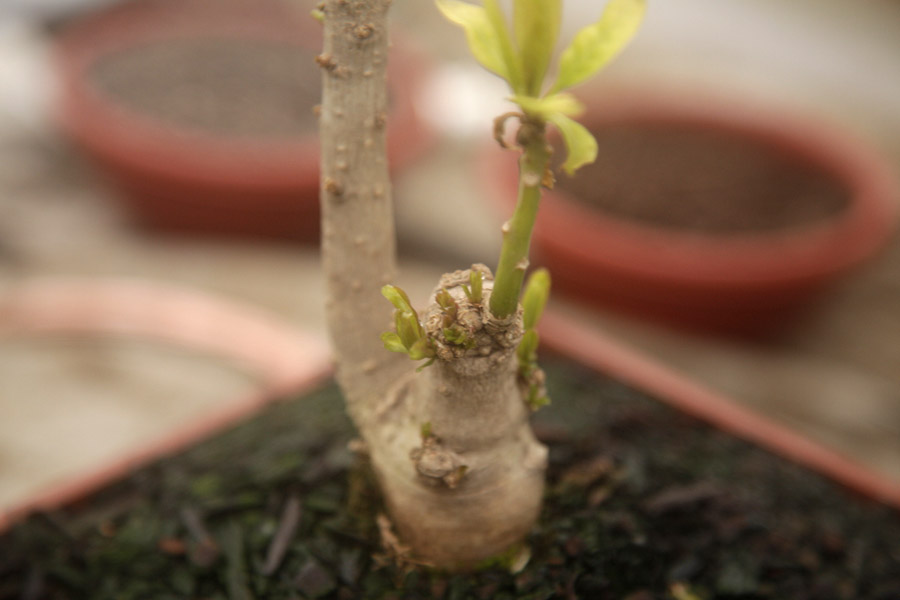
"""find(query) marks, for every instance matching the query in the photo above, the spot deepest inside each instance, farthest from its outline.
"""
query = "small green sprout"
(537, 291)
(448, 305)
(318, 13)
(454, 332)
(410, 337)
(534, 300)
(513, 560)
(475, 290)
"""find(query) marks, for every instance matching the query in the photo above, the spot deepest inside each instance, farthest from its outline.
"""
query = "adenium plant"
(448, 435)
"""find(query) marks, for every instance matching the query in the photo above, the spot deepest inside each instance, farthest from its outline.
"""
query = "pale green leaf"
(527, 349)
(536, 24)
(408, 328)
(510, 57)
(597, 44)
(474, 291)
(581, 147)
(421, 349)
(536, 400)
(565, 104)
(392, 342)
(397, 297)
(485, 45)
(537, 291)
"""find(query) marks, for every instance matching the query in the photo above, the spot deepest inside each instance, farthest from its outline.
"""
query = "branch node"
(363, 32)
(325, 61)
(333, 187)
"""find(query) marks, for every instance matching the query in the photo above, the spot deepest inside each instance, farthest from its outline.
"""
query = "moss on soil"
(642, 503)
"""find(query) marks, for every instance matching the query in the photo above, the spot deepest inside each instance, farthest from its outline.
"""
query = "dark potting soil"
(642, 504)
(224, 86)
(684, 177)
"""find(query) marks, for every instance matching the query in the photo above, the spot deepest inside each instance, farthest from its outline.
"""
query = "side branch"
(358, 243)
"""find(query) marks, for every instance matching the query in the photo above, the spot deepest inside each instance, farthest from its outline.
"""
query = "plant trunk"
(451, 445)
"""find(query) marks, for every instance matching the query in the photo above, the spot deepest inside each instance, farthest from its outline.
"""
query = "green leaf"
(510, 56)
(597, 44)
(448, 305)
(392, 342)
(537, 291)
(484, 43)
(527, 349)
(421, 349)
(397, 297)
(580, 144)
(536, 401)
(408, 328)
(565, 104)
(536, 24)
(474, 290)
(426, 364)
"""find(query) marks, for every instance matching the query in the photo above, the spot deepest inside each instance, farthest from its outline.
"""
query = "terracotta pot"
(282, 361)
(187, 178)
(749, 282)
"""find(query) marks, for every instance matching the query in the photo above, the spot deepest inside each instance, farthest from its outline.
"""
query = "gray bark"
(472, 487)
(358, 247)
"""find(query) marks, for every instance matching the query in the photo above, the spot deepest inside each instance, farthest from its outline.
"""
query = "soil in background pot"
(222, 86)
(642, 503)
(687, 177)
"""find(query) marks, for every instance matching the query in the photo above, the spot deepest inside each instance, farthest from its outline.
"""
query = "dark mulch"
(690, 178)
(642, 504)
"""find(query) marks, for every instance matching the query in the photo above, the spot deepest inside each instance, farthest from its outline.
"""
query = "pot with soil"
(718, 216)
(642, 503)
(202, 114)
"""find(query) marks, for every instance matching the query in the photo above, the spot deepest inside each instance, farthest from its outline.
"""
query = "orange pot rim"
(144, 144)
(283, 360)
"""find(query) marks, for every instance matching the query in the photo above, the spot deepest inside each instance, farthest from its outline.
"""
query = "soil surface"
(224, 86)
(642, 504)
(685, 177)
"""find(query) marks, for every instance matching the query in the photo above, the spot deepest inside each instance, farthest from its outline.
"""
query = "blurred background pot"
(717, 216)
(202, 113)
(102, 361)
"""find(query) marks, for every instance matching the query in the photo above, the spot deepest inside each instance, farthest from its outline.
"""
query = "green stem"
(513, 263)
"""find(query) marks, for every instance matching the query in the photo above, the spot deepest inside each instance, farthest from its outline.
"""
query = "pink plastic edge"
(286, 362)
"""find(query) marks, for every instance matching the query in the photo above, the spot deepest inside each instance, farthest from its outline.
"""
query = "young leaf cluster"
(409, 336)
(522, 54)
(475, 290)
(537, 291)
(454, 332)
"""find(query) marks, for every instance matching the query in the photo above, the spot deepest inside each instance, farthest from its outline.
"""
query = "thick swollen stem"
(533, 164)
(470, 487)
(479, 480)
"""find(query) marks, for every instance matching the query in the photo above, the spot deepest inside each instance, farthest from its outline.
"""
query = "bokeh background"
(67, 405)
